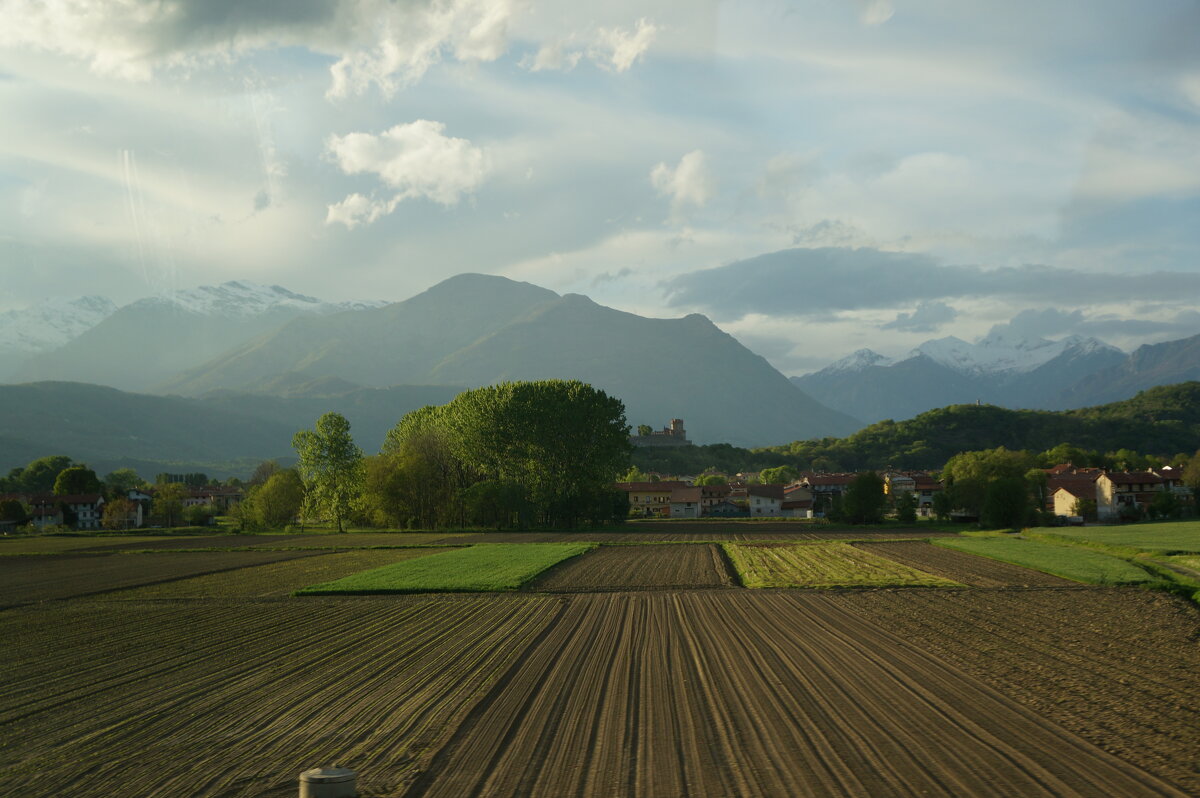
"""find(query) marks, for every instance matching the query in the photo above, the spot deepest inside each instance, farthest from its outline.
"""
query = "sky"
(814, 176)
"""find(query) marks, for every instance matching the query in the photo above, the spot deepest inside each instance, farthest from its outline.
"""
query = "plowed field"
(640, 568)
(967, 569)
(736, 694)
(40, 578)
(176, 699)
(706, 534)
(276, 579)
(1117, 667)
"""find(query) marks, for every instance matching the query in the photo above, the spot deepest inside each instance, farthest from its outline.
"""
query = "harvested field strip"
(54, 544)
(822, 565)
(1081, 565)
(1117, 667)
(737, 694)
(484, 567)
(234, 700)
(1182, 536)
(968, 569)
(276, 579)
(639, 568)
(26, 579)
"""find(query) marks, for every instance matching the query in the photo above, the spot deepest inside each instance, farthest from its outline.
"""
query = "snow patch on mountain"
(859, 360)
(1003, 352)
(242, 299)
(37, 329)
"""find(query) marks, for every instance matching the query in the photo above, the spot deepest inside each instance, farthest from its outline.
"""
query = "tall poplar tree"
(331, 468)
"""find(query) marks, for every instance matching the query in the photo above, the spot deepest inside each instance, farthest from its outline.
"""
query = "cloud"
(807, 282)
(611, 49)
(377, 42)
(689, 183)
(928, 317)
(618, 50)
(875, 12)
(1053, 322)
(415, 159)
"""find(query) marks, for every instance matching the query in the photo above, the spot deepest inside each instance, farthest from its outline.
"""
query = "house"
(711, 495)
(764, 500)
(726, 509)
(796, 508)
(1119, 489)
(650, 498)
(685, 502)
(79, 511)
(220, 497)
(897, 482)
(1064, 500)
(926, 487)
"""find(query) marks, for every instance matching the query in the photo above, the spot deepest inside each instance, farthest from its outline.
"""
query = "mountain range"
(1000, 369)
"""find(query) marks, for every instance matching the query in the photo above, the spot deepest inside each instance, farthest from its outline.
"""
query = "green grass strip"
(484, 567)
(823, 565)
(1078, 564)
(1177, 536)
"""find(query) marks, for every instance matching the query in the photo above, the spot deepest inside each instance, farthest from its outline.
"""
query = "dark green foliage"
(906, 508)
(780, 475)
(864, 500)
(39, 476)
(122, 480)
(195, 479)
(496, 504)
(563, 442)
(13, 512)
(75, 480)
(1164, 505)
(942, 505)
(1005, 504)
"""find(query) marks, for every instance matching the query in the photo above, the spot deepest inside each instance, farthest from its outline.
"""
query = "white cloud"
(376, 42)
(619, 49)
(416, 159)
(611, 49)
(689, 183)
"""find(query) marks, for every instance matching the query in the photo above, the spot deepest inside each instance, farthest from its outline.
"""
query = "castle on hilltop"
(671, 435)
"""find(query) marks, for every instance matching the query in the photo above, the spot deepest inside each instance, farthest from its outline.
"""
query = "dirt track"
(45, 577)
(639, 567)
(962, 567)
(724, 693)
(1118, 667)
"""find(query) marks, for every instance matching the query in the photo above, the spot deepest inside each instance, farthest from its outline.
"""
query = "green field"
(275, 579)
(822, 565)
(483, 567)
(1078, 564)
(1176, 536)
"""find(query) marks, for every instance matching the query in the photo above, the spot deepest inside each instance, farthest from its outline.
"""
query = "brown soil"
(727, 693)
(46, 577)
(968, 569)
(639, 568)
(683, 534)
(218, 698)
(1117, 667)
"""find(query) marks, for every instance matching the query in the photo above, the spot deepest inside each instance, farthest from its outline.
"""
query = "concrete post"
(328, 783)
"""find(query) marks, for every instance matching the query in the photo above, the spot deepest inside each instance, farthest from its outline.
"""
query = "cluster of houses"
(813, 493)
(85, 511)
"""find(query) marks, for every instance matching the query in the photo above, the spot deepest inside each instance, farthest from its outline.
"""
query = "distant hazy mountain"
(31, 332)
(477, 330)
(222, 434)
(1147, 367)
(1000, 369)
(147, 341)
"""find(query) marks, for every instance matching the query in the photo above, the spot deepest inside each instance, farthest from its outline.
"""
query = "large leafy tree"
(75, 480)
(123, 480)
(278, 501)
(864, 500)
(168, 502)
(39, 475)
(331, 468)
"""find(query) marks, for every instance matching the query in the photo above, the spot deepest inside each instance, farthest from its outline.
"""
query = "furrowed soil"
(276, 579)
(273, 541)
(709, 535)
(639, 568)
(1117, 667)
(727, 693)
(958, 566)
(46, 577)
(214, 698)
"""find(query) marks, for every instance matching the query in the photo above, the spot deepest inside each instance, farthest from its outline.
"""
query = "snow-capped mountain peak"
(243, 299)
(52, 323)
(1002, 351)
(857, 361)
